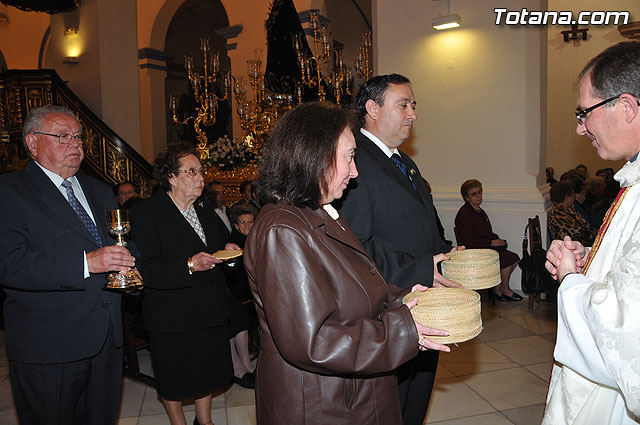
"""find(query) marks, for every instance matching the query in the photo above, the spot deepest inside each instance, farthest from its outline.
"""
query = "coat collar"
(59, 206)
(388, 168)
(166, 207)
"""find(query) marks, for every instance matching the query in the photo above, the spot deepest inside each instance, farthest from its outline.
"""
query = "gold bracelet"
(190, 265)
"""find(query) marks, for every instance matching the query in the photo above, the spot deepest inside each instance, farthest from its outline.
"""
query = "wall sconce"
(574, 33)
(447, 22)
(71, 60)
(70, 30)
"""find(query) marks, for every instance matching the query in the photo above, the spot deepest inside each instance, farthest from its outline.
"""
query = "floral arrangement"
(227, 154)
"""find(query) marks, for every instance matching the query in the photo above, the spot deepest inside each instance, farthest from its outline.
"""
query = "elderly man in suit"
(64, 332)
(390, 209)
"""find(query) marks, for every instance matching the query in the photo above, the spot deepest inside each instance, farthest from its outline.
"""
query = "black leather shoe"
(195, 421)
(248, 380)
(500, 297)
(513, 297)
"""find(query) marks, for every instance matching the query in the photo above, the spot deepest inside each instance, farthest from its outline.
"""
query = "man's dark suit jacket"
(395, 223)
(174, 300)
(52, 313)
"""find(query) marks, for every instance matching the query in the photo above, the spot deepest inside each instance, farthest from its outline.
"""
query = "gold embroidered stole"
(603, 229)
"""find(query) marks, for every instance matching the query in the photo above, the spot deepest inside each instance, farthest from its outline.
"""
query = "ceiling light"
(446, 22)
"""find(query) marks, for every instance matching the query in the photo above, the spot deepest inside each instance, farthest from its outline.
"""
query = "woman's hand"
(232, 246)
(204, 261)
(498, 242)
(424, 331)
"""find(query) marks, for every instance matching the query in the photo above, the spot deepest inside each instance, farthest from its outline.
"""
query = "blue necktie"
(403, 168)
(82, 213)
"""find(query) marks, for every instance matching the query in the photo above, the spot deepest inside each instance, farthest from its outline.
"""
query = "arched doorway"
(192, 20)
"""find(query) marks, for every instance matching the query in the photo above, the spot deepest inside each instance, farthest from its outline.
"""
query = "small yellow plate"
(227, 254)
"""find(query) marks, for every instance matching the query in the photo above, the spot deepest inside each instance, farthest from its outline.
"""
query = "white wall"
(565, 148)
(480, 91)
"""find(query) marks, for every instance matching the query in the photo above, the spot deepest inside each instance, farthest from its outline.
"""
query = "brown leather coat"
(332, 330)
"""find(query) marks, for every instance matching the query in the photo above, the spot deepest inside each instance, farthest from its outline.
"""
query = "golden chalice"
(119, 226)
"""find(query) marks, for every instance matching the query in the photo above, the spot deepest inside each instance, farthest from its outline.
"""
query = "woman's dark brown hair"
(467, 186)
(168, 162)
(299, 155)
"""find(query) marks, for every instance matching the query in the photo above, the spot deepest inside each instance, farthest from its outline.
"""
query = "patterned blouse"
(566, 221)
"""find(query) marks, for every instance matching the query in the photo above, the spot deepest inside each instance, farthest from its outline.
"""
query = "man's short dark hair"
(561, 191)
(615, 71)
(117, 187)
(300, 152)
(375, 90)
(167, 162)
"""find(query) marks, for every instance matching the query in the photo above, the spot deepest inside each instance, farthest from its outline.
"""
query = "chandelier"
(341, 78)
(203, 83)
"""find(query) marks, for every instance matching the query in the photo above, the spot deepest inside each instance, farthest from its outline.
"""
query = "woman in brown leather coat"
(331, 329)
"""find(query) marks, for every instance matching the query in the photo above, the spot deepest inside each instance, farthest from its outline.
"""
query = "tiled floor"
(499, 377)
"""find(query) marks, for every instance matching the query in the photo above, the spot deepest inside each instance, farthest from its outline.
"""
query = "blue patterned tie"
(82, 213)
(403, 168)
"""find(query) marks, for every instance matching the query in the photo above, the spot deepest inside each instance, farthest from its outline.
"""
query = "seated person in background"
(242, 313)
(564, 220)
(550, 179)
(580, 189)
(473, 230)
(596, 201)
(582, 170)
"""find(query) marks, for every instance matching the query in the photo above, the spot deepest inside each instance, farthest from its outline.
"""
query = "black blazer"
(395, 223)
(174, 300)
(52, 313)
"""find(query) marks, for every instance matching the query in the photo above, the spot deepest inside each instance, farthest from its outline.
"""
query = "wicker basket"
(456, 310)
(473, 268)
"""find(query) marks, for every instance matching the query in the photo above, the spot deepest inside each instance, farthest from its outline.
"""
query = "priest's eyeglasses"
(64, 138)
(193, 171)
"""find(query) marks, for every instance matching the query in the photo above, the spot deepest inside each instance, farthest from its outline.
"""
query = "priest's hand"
(555, 255)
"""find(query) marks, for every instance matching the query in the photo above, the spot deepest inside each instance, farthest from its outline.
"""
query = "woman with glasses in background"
(185, 304)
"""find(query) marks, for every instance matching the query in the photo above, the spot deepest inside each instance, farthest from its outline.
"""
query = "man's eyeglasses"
(193, 171)
(64, 138)
(245, 221)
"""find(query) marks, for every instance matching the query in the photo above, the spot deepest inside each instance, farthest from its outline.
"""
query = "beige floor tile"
(510, 308)
(241, 415)
(543, 370)
(487, 419)
(131, 399)
(127, 421)
(155, 420)
(151, 405)
(530, 415)
(452, 399)
(525, 351)
(8, 414)
(509, 388)
(218, 401)
(238, 396)
(442, 372)
(474, 358)
(497, 329)
(537, 325)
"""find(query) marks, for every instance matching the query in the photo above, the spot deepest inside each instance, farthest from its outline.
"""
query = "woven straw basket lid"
(473, 268)
(456, 310)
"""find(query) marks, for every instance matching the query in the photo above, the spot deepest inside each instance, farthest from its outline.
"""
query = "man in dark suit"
(389, 208)
(64, 332)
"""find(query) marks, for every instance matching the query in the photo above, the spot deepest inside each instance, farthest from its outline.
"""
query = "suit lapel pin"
(412, 171)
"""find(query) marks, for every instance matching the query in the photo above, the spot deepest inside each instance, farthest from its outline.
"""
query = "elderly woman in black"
(332, 331)
(184, 304)
(473, 230)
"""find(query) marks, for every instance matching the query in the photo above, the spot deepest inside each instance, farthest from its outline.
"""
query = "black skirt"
(191, 364)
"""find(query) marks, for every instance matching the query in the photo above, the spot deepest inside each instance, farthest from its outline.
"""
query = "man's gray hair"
(34, 120)
(615, 71)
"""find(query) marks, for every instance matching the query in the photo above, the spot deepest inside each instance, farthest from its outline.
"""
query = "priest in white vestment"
(596, 377)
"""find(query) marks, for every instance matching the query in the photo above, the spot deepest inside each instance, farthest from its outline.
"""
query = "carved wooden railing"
(107, 156)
